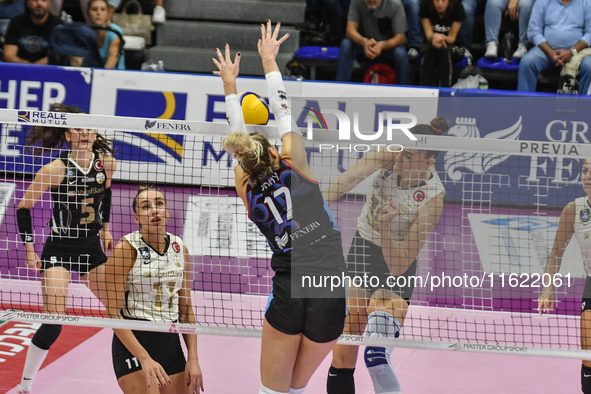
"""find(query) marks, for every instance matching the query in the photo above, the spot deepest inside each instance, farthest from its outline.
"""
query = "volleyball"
(254, 108)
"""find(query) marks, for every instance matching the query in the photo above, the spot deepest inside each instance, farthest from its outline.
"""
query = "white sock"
(297, 391)
(35, 358)
(265, 390)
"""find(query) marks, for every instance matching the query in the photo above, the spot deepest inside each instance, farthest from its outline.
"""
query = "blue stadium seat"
(317, 56)
(498, 63)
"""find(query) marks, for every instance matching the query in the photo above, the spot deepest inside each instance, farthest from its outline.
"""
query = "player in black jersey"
(283, 199)
(79, 180)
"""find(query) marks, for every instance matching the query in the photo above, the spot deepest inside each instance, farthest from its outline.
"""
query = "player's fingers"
(237, 59)
(282, 39)
(228, 53)
(220, 56)
(263, 32)
(269, 29)
(218, 64)
(276, 31)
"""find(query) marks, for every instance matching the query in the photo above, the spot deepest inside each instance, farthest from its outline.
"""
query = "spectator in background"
(159, 13)
(28, 33)
(375, 31)
(559, 29)
(467, 30)
(515, 9)
(329, 11)
(412, 8)
(441, 21)
(112, 6)
(109, 42)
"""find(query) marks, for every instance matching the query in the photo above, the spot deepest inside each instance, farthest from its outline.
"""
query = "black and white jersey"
(77, 201)
(153, 283)
(582, 228)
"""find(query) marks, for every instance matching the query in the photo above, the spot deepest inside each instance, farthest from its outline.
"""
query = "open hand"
(268, 44)
(228, 70)
(194, 376)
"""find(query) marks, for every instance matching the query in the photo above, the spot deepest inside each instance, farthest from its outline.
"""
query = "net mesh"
(478, 276)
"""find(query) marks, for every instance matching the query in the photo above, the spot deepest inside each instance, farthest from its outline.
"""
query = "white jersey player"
(575, 219)
(404, 201)
(147, 279)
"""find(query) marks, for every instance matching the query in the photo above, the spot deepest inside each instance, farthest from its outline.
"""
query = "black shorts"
(74, 254)
(586, 301)
(319, 319)
(366, 258)
(164, 348)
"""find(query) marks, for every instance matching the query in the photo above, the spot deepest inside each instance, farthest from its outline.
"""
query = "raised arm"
(563, 236)
(399, 257)
(359, 171)
(193, 372)
(293, 148)
(229, 71)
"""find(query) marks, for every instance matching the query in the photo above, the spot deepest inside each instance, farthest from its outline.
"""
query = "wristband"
(25, 224)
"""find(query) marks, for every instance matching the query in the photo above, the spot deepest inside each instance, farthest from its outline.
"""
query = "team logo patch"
(100, 178)
(585, 215)
(145, 253)
(176, 247)
(418, 196)
(98, 165)
(70, 173)
(173, 329)
(177, 261)
(408, 206)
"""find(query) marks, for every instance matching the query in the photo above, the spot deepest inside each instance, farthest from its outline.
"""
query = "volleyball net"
(478, 276)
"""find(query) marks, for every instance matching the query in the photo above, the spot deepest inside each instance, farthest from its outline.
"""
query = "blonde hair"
(252, 153)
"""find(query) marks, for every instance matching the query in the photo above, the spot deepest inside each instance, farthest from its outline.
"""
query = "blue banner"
(34, 88)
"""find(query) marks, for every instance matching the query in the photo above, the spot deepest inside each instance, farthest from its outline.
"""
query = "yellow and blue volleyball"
(254, 108)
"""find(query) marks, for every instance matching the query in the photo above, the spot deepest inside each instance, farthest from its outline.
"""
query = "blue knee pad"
(46, 335)
(374, 356)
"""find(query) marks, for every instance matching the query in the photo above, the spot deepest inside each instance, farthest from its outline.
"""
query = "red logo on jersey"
(176, 247)
(98, 165)
(418, 196)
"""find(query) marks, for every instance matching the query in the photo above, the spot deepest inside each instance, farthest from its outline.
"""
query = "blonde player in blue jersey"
(575, 219)
(79, 181)
(403, 204)
(147, 278)
(283, 199)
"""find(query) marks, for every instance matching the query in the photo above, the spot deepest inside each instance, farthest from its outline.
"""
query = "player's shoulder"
(109, 161)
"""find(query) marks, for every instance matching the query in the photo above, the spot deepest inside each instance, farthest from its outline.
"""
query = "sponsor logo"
(177, 261)
(282, 95)
(98, 165)
(585, 215)
(145, 253)
(100, 178)
(281, 242)
(478, 163)
(418, 196)
(176, 247)
(71, 172)
(23, 116)
(173, 329)
(45, 118)
(166, 125)
(72, 182)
